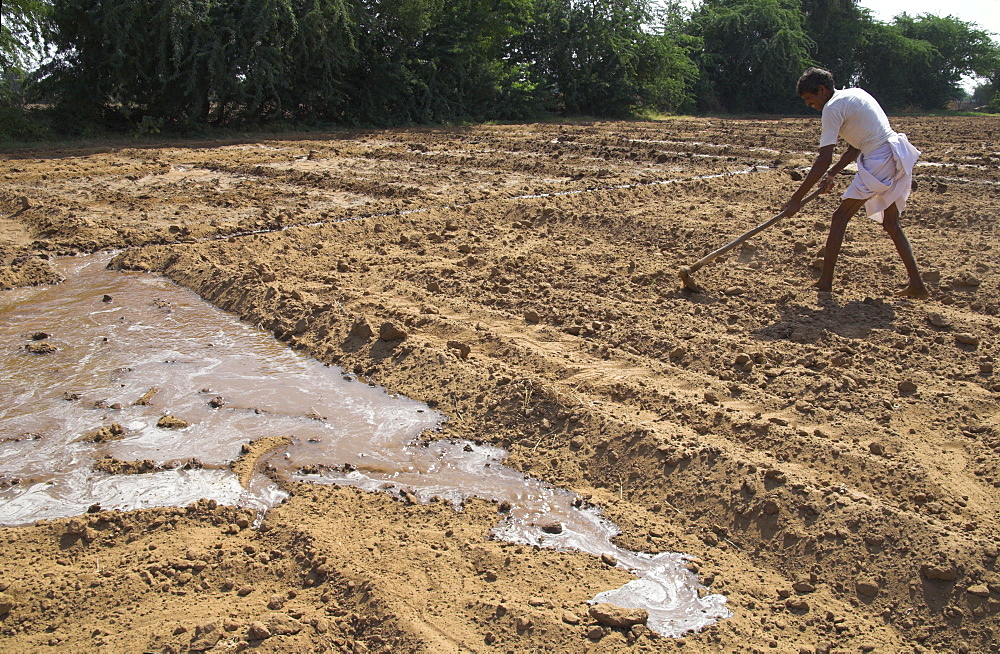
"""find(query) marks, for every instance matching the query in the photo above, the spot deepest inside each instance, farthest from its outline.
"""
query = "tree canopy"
(919, 62)
(837, 29)
(185, 61)
(22, 24)
(753, 52)
(147, 64)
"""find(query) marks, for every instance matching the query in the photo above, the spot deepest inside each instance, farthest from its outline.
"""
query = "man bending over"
(885, 161)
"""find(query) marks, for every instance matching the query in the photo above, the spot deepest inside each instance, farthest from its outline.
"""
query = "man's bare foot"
(820, 287)
(916, 292)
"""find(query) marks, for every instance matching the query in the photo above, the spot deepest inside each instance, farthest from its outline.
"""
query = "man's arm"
(819, 168)
(850, 155)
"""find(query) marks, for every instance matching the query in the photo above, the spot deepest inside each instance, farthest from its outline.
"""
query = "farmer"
(885, 166)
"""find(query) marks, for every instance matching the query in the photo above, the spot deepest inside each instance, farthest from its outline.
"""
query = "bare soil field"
(832, 462)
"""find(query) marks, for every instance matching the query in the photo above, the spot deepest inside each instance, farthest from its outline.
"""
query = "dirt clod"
(610, 615)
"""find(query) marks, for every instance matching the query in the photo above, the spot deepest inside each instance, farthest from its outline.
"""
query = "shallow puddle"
(119, 351)
(90, 367)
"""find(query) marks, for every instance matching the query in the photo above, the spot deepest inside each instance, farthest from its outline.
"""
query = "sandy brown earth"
(833, 463)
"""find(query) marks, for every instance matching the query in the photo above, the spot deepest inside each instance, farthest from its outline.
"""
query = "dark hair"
(812, 79)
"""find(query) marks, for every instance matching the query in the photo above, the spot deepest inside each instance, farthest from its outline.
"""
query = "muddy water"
(118, 337)
(118, 351)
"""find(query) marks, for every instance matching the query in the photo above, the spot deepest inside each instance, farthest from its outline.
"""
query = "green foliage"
(22, 24)
(254, 61)
(983, 94)
(22, 43)
(17, 125)
(753, 53)
(148, 126)
(837, 29)
(994, 106)
(589, 49)
(430, 61)
(668, 72)
(962, 47)
(188, 61)
(594, 57)
(897, 69)
(389, 62)
(144, 65)
(920, 61)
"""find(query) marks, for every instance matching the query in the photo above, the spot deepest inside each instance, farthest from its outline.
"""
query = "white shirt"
(857, 117)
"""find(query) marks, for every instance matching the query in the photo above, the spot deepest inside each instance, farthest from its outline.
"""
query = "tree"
(991, 89)
(983, 94)
(963, 47)
(672, 83)
(895, 67)
(920, 61)
(191, 61)
(22, 25)
(837, 29)
(753, 53)
(436, 60)
(22, 48)
(597, 57)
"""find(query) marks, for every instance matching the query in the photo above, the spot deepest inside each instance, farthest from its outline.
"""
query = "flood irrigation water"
(111, 372)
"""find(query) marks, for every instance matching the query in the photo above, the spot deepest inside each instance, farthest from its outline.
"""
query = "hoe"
(686, 272)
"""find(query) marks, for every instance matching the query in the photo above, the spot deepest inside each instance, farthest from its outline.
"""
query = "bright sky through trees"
(984, 13)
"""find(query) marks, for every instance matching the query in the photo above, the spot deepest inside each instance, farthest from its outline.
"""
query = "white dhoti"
(884, 176)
